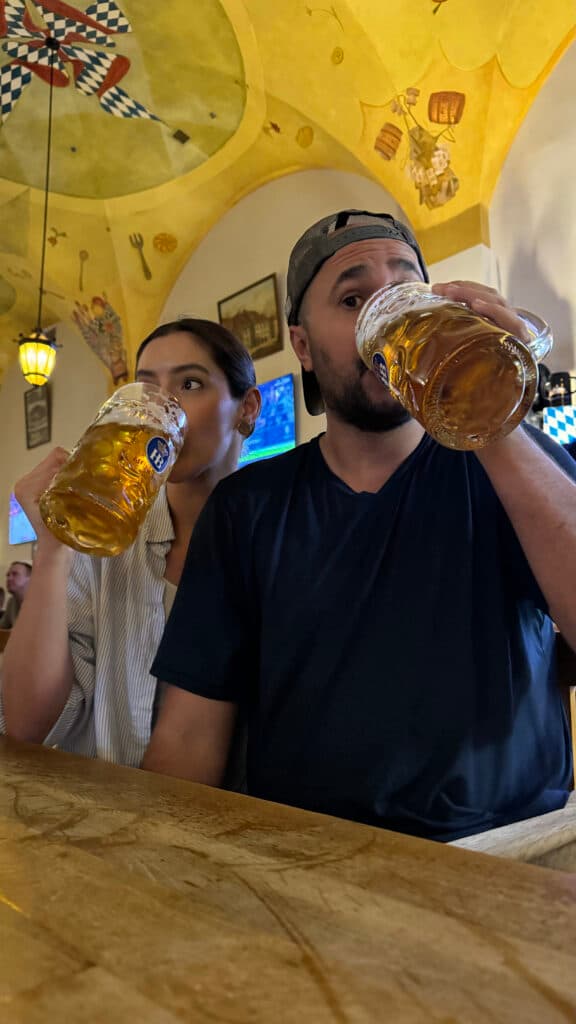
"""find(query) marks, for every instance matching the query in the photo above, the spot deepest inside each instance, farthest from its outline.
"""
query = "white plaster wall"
(533, 212)
(475, 264)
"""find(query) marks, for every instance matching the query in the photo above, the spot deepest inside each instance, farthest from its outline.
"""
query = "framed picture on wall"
(37, 414)
(252, 314)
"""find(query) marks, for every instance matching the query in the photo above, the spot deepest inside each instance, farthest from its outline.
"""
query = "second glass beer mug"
(98, 500)
(466, 380)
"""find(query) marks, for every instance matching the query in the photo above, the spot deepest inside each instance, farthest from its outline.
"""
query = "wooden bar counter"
(128, 897)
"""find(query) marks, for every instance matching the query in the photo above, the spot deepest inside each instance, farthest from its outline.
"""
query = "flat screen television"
(276, 426)
(20, 530)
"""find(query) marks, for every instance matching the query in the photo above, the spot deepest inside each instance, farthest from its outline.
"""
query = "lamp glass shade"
(37, 355)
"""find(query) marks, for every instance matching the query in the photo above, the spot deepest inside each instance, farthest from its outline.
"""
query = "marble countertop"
(129, 897)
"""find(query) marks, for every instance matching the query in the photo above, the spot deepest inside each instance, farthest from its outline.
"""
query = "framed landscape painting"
(252, 314)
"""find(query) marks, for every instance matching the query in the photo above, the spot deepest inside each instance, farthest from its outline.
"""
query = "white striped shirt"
(116, 618)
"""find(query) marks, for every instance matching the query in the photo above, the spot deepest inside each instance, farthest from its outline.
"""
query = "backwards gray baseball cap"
(318, 244)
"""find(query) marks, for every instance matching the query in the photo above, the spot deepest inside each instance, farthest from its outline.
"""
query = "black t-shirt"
(393, 650)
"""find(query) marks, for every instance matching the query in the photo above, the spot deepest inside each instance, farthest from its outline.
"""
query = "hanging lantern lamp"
(36, 350)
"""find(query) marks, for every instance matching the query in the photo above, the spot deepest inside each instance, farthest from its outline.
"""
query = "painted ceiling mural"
(165, 114)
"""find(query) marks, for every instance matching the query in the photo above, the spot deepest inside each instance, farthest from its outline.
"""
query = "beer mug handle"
(541, 338)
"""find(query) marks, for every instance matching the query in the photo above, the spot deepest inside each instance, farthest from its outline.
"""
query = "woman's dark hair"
(225, 348)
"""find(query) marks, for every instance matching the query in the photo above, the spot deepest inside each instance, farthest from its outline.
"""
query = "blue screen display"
(20, 530)
(276, 426)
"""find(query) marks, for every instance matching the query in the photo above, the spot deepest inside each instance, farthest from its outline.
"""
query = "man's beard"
(352, 405)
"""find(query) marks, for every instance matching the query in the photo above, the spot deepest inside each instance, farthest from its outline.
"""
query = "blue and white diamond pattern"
(106, 13)
(18, 51)
(118, 103)
(56, 24)
(91, 78)
(21, 51)
(14, 13)
(60, 27)
(87, 32)
(95, 65)
(559, 422)
(92, 35)
(13, 81)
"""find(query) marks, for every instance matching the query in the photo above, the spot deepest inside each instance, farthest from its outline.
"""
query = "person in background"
(17, 581)
(381, 605)
(76, 667)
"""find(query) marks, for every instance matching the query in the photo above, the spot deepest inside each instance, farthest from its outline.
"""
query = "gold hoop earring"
(246, 429)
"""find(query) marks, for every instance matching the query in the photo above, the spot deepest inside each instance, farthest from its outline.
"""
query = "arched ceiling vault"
(164, 120)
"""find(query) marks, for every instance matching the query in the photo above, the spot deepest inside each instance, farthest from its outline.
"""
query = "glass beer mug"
(99, 499)
(466, 380)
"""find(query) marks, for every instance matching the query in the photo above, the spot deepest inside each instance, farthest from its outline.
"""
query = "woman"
(76, 669)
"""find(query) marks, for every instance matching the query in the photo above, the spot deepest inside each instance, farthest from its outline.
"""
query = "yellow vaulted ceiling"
(423, 96)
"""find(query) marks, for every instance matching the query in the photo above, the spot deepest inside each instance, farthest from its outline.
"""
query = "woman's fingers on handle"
(29, 488)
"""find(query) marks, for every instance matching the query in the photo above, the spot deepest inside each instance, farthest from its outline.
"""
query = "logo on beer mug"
(158, 452)
(380, 367)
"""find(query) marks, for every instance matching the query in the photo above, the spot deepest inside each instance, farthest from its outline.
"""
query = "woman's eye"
(352, 301)
(191, 384)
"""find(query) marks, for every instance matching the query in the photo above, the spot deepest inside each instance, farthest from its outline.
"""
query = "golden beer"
(99, 499)
(467, 381)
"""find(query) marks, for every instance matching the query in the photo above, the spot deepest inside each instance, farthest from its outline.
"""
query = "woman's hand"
(30, 487)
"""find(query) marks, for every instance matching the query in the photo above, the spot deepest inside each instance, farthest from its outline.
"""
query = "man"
(17, 580)
(378, 604)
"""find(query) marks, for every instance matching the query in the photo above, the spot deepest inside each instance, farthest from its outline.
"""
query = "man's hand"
(487, 302)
